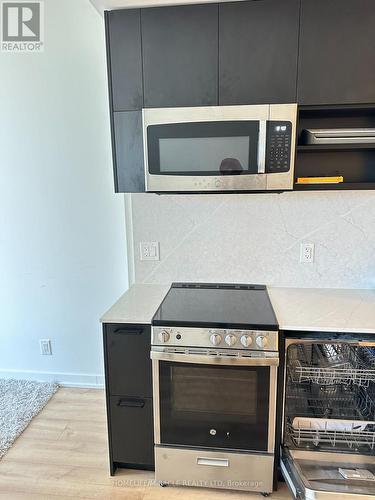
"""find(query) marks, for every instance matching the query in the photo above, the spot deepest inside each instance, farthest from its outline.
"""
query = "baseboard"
(84, 380)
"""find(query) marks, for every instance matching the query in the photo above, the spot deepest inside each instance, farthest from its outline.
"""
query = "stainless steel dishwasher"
(328, 426)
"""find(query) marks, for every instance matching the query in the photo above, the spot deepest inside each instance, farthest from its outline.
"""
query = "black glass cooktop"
(216, 306)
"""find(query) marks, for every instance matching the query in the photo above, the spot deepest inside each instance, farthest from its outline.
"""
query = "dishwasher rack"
(330, 402)
(337, 401)
(328, 364)
(351, 438)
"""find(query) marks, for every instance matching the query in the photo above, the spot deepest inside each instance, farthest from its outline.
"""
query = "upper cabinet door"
(337, 52)
(180, 55)
(258, 51)
(125, 59)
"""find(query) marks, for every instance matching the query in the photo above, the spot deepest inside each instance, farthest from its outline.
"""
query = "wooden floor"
(63, 454)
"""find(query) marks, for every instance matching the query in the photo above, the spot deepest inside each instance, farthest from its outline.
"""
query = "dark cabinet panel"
(337, 52)
(180, 55)
(125, 58)
(132, 431)
(129, 364)
(128, 161)
(258, 51)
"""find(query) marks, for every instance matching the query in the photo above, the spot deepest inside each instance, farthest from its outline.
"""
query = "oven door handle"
(214, 360)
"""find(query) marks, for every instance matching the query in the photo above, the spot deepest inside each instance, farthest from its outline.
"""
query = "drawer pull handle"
(216, 462)
(131, 403)
(124, 331)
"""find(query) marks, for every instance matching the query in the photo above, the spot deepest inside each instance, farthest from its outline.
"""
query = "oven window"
(214, 406)
(203, 148)
(195, 390)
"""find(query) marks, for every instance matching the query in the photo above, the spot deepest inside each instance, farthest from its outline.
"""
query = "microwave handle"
(262, 146)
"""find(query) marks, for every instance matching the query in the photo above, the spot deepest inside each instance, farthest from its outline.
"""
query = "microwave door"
(206, 156)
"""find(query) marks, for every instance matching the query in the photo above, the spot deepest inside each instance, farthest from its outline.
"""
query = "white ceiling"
(102, 5)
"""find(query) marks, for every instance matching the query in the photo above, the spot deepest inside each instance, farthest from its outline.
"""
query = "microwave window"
(204, 154)
(203, 148)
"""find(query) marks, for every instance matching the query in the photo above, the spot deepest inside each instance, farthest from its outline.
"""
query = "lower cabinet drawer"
(132, 430)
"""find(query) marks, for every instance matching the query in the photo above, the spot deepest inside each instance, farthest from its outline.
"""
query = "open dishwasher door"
(312, 475)
(328, 433)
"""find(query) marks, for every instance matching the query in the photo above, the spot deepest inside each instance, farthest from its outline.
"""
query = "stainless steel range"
(215, 360)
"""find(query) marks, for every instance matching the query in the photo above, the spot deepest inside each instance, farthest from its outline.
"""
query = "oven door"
(218, 402)
(205, 149)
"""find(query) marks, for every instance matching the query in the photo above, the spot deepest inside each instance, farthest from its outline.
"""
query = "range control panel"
(259, 340)
(279, 140)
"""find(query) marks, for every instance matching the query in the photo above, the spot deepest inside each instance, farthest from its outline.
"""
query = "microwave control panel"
(279, 143)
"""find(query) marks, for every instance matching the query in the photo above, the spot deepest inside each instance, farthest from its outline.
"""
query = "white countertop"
(324, 309)
(137, 305)
(306, 309)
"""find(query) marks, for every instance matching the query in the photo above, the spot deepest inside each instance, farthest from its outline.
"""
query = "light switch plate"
(45, 347)
(149, 250)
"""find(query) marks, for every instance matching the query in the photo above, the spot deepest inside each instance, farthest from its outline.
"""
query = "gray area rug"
(20, 401)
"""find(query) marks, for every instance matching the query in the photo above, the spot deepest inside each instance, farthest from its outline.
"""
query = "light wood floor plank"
(63, 454)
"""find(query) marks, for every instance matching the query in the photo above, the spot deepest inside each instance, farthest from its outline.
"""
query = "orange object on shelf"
(320, 180)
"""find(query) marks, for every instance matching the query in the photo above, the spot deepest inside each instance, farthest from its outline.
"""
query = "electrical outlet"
(149, 250)
(306, 255)
(45, 347)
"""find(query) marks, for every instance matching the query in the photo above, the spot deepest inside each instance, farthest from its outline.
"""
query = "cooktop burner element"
(216, 306)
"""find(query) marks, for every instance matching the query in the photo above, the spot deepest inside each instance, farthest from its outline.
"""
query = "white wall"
(62, 228)
(256, 238)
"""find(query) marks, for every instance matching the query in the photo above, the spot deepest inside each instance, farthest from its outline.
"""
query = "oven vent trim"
(226, 353)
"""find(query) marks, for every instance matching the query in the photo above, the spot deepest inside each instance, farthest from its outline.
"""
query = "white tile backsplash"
(256, 238)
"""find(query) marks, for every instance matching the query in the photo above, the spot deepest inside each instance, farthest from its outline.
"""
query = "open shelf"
(354, 162)
(333, 147)
(330, 187)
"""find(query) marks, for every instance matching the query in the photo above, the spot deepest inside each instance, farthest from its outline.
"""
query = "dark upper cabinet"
(180, 55)
(318, 52)
(258, 51)
(124, 57)
(128, 152)
(337, 52)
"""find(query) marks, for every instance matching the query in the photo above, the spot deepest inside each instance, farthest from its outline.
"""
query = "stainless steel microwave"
(219, 148)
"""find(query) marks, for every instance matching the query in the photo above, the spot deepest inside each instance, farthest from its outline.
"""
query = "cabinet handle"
(131, 403)
(124, 331)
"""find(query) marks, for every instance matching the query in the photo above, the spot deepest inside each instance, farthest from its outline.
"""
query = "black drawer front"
(128, 360)
(132, 430)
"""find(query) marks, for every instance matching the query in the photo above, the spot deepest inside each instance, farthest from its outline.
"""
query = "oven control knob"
(261, 341)
(230, 339)
(215, 339)
(246, 340)
(163, 336)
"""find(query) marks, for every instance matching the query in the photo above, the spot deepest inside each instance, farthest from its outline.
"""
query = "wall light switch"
(149, 250)
(306, 255)
(45, 347)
